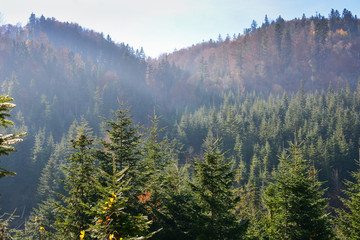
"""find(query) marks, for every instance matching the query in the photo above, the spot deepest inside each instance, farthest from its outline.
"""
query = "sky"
(161, 26)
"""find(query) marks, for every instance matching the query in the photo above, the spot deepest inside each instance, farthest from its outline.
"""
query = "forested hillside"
(272, 57)
(254, 136)
(58, 73)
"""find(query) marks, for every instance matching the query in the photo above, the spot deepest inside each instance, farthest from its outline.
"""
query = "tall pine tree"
(75, 215)
(122, 142)
(7, 140)
(295, 203)
(349, 218)
(213, 185)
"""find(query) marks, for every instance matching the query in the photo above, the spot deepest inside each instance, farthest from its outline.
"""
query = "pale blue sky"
(163, 25)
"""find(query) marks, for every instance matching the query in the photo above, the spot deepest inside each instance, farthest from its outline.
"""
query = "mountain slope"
(58, 73)
(277, 56)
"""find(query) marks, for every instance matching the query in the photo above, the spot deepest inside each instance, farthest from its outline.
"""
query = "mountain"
(60, 73)
(274, 57)
(54, 65)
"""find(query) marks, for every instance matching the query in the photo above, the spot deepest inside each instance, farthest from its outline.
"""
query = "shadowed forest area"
(250, 136)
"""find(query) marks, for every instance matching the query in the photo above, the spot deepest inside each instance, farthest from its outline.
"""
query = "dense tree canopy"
(135, 177)
(295, 203)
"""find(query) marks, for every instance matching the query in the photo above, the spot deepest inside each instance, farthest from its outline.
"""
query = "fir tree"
(50, 180)
(349, 217)
(123, 143)
(111, 218)
(213, 188)
(180, 205)
(152, 170)
(7, 140)
(41, 223)
(296, 208)
(75, 215)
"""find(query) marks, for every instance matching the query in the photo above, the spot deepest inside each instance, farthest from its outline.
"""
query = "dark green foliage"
(122, 151)
(60, 71)
(75, 215)
(166, 197)
(349, 217)
(335, 20)
(213, 190)
(123, 143)
(111, 218)
(41, 222)
(295, 204)
(321, 31)
(6, 140)
(279, 29)
(155, 159)
(324, 122)
(179, 205)
(50, 180)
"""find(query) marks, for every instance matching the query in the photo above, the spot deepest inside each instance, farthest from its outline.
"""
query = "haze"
(162, 26)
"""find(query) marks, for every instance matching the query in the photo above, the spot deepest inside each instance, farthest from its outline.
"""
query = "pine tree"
(9, 139)
(6, 232)
(334, 20)
(266, 21)
(123, 143)
(50, 180)
(166, 196)
(111, 218)
(75, 215)
(152, 168)
(279, 28)
(349, 217)
(41, 223)
(155, 158)
(213, 188)
(179, 205)
(5, 148)
(296, 208)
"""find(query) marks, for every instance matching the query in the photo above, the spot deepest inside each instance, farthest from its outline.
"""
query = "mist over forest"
(250, 136)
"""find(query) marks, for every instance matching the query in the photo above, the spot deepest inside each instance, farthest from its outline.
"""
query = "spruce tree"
(213, 185)
(50, 180)
(75, 215)
(123, 143)
(152, 171)
(349, 217)
(179, 205)
(155, 158)
(166, 197)
(41, 223)
(7, 140)
(295, 203)
(111, 217)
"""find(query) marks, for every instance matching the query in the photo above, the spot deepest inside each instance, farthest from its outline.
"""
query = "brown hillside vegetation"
(276, 56)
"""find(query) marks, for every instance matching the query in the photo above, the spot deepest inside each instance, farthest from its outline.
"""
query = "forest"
(255, 136)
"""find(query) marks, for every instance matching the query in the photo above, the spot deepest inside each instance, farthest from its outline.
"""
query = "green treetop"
(82, 195)
(295, 203)
(349, 217)
(213, 188)
(8, 139)
(122, 143)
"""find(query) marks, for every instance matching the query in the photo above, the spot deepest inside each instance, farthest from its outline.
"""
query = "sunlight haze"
(161, 26)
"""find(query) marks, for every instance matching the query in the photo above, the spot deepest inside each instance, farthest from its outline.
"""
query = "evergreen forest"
(250, 136)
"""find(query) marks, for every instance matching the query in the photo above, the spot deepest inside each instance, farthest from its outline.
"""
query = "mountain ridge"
(277, 56)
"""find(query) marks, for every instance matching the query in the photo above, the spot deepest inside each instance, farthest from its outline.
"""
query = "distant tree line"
(261, 134)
